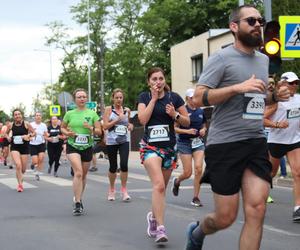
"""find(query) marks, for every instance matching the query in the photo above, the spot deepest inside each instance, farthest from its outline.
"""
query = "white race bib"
(293, 113)
(17, 139)
(120, 130)
(197, 142)
(158, 133)
(81, 140)
(254, 106)
(55, 139)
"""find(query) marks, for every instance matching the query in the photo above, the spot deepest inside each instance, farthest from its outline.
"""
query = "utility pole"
(101, 51)
(268, 10)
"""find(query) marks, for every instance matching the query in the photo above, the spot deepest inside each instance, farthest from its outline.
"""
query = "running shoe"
(37, 177)
(270, 199)
(93, 169)
(296, 215)
(191, 243)
(161, 235)
(55, 174)
(125, 195)
(10, 167)
(111, 195)
(20, 188)
(5, 163)
(32, 166)
(77, 209)
(175, 187)
(49, 169)
(152, 225)
(196, 202)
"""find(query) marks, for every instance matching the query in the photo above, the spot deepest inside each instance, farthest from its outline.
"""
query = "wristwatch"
(177, 116)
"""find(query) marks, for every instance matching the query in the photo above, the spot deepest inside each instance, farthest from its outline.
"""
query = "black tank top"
(19, 130)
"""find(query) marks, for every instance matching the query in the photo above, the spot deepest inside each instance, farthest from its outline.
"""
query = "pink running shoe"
(161, 236)
(125, 195)
(20, 188)
(111, 195)
(152, 225)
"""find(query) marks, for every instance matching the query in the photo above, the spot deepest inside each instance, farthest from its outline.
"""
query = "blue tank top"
(197, 119)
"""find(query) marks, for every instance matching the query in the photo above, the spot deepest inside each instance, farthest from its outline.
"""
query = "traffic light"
(272, 46)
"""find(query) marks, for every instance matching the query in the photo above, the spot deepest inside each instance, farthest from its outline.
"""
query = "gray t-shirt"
(239, 117)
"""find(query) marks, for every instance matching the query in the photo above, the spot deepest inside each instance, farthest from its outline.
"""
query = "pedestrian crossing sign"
(290, 36)
(54, 110)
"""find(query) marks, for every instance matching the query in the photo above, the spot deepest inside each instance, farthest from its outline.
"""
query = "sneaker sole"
(172, 187)
(196, 205)
(296, 219)
(162, 240)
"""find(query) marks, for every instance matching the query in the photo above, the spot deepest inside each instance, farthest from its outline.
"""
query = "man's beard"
(249, 40)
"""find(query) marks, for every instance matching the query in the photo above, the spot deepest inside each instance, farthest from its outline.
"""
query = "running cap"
(289, 77)
(189, 92)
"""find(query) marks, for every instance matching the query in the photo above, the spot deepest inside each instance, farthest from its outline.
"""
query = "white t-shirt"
(40, 130)
(289, 111)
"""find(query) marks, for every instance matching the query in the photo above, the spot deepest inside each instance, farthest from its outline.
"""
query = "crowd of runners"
(239, 158)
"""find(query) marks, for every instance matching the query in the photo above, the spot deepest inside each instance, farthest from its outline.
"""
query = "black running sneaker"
(32, 166)
(296, 215)
(175, 187)
(77, 209)
(5, 163)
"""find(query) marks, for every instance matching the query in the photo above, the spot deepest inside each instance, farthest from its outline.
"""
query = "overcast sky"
(24, 71)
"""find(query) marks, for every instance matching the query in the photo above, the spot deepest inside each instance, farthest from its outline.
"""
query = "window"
(197, 65)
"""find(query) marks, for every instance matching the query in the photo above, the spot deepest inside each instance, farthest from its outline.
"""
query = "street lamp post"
(101, 52)
(89, 52)
(50, 60)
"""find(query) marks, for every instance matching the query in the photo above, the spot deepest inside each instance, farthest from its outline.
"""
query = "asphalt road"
(41, 217)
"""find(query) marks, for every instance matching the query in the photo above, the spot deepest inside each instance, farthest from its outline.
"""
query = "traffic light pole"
(268, 10)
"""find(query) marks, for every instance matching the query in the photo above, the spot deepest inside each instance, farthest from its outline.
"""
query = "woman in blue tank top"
(190, 146)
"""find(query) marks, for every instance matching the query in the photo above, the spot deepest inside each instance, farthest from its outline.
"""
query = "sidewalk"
(286, 182)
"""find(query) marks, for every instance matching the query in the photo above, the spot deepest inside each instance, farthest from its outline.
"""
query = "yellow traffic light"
(272, 47)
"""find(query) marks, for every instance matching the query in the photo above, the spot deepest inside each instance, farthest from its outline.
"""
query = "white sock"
(296, 208)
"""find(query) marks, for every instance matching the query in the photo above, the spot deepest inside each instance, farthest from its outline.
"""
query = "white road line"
(57, 181)
(138, 177)
(12, 183)
(3, 174)
(276, 230)
(101, 179)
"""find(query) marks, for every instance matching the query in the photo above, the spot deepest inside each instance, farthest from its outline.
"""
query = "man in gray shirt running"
(234, 80)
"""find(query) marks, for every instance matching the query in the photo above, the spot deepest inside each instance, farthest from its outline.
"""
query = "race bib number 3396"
(254, 106)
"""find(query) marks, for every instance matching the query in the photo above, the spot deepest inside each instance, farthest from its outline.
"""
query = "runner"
(190, 145)
(6, 145)
(158, 109)
(116, 121)
(79, 125)
(55, 141)
(19, 136)
(234, 80)
(37, 144)
(283, 118)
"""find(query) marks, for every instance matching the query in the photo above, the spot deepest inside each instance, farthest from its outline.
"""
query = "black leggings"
(112, 152)
(54, 153)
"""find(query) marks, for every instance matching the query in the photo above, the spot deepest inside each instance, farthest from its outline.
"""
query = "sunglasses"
(252, 21)
(293, 83)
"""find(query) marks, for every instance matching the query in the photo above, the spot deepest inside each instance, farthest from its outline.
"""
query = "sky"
(24, 69)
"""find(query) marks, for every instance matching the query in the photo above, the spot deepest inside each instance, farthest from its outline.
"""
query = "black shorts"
(226, 163)
(23, 149)
(36, 149)
(5, 143)
(86, 155)
(278, 150)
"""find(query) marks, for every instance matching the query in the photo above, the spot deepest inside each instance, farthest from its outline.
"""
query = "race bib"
(17, 139)
(197, 142)
(55, 139)
(158, 133)
(39, 139)
(120, 130)
(254, 106)
(293, 113)
(81, 140)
